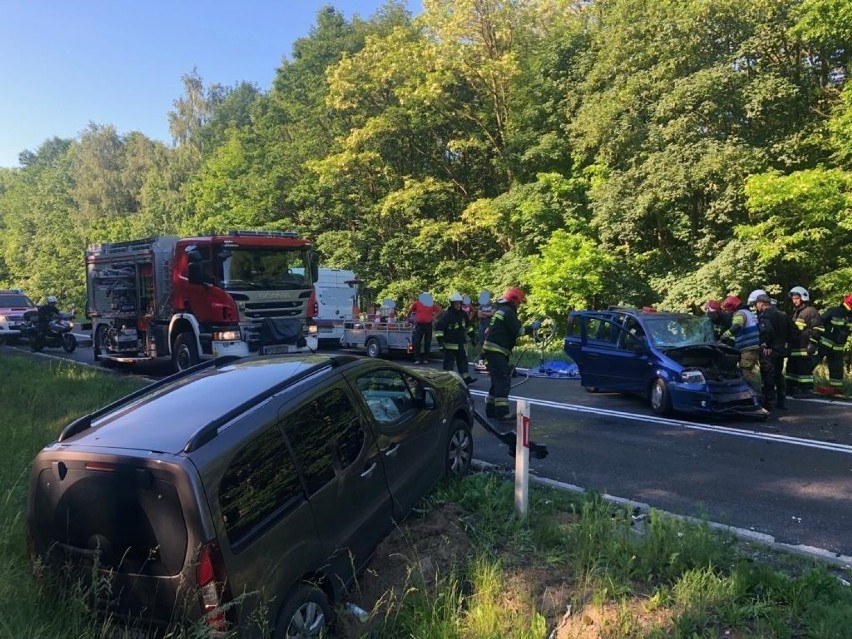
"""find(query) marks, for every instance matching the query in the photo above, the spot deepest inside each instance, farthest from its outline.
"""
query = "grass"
(517, 578)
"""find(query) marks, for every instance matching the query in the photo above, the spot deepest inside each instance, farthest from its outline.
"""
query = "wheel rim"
(657, 395)
(373, 349)
(459, 452)
(184, 357)
(307, 621)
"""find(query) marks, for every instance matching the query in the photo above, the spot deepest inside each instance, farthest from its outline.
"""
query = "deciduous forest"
(594, 152)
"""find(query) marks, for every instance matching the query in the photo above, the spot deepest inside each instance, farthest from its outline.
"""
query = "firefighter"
(720, 319)
(503, 331)
(828, 339)
(773, 328)
(484, 313)
(456, 329)
(800, 365)
(743, 335)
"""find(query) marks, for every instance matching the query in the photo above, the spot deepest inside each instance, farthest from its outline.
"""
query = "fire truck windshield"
(251, 268)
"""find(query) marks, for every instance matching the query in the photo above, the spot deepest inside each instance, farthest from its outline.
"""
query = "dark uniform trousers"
(497, 401)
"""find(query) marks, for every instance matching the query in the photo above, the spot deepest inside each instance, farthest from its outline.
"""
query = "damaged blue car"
(671, 359)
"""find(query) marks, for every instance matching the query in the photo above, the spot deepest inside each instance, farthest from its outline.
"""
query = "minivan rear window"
(120, 517)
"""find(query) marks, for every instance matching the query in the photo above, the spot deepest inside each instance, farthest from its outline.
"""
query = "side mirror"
(425, 399)
(640, 349)
(196, 273)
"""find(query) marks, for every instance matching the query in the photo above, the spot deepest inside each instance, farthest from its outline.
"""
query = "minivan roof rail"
(209, 431)
(85, 422)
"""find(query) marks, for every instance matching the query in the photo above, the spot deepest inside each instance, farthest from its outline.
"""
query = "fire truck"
(240, 293)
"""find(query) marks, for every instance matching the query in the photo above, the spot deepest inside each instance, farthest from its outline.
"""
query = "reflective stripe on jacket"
(455, 327)
(504, 330)
(804, 318)
(833, 329)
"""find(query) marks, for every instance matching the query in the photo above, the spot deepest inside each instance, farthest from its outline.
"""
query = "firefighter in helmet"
(500, 338)
(800, 365)
(456, 329)
(828, 340)
(720, 319)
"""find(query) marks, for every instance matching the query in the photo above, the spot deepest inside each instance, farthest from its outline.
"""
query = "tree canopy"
(616, 151)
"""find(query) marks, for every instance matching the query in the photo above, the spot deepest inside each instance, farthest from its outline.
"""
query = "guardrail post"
(522, 458)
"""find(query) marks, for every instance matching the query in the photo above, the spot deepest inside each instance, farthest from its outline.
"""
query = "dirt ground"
(433, 544)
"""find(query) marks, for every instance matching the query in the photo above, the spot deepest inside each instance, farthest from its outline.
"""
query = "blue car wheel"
(661, 401)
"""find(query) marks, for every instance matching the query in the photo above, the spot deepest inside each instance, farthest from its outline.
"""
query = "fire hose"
(510, 437)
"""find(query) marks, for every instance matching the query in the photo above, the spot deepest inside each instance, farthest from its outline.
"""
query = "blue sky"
(64, 63)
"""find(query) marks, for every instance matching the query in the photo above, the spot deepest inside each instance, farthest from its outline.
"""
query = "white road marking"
(708, 428)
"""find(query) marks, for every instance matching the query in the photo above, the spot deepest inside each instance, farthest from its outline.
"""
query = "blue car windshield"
(676, 331)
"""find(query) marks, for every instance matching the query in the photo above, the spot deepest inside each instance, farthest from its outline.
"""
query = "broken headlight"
(692, 377)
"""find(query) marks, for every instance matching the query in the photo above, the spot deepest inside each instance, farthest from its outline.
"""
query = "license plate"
(276, 350)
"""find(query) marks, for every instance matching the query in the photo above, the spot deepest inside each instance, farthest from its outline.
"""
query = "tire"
(661, 401)
(374, 349)
(185, 352)
(305, 613)
(37, 345)
(69, 343)
(99, 342)
(459, 453)
(591, 389)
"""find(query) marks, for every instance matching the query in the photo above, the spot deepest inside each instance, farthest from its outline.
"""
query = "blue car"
(672, 359)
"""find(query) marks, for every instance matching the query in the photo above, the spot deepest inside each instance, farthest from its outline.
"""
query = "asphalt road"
(789, 477)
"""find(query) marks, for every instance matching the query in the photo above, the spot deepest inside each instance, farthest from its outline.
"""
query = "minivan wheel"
(459, 448)
(661, 402)
(305, 613)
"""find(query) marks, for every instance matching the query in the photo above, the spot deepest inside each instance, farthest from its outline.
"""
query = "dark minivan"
(248, 489)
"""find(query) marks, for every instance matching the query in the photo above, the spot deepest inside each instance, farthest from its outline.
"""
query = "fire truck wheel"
(99, 342)
(185, 352)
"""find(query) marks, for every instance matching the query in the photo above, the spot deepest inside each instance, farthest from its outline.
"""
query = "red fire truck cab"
(241, 293)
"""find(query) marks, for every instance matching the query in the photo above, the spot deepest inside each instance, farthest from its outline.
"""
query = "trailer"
(381, 338)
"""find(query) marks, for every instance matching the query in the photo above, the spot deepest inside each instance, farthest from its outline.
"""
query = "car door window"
(387, 393)
(258, 486)
(324, 433)
(631, 335)
(601, 332)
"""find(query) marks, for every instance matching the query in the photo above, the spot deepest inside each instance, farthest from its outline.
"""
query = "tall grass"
(663, 578)
(38, 398)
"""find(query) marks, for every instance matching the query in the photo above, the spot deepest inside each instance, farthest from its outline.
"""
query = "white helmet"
(758, 295)
(51, 299)
(801, 291)
(456, 297)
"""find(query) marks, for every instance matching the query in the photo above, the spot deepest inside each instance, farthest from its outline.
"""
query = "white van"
(337, 302)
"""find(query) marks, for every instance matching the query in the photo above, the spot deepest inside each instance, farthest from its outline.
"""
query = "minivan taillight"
(209, 579)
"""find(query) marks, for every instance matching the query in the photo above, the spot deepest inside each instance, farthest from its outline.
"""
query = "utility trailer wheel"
(374, 349)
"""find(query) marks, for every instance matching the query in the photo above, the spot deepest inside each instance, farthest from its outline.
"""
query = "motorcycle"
(57, 334)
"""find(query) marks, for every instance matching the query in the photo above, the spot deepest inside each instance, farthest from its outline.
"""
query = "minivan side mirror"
(425, 398)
